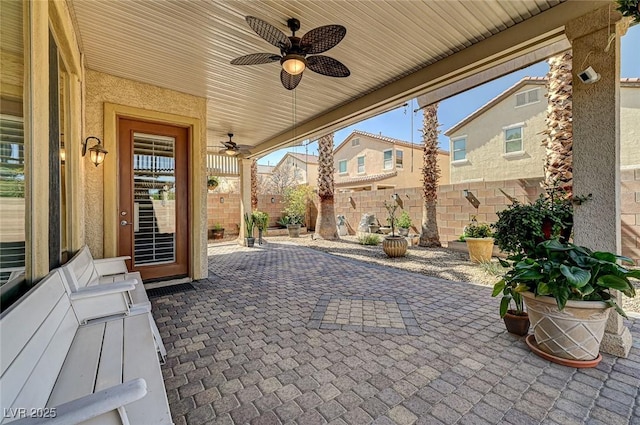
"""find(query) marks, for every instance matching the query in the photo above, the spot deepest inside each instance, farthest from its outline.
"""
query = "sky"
(398, 122)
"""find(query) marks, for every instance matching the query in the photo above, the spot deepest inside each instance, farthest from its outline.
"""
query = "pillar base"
(617, 345)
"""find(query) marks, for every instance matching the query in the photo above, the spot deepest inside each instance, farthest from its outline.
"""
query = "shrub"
(369, 239)
(404, 221)
(477, 230)
(261, 219)
(296, 200)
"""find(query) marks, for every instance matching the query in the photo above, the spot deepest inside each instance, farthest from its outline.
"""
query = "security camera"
(589, 76)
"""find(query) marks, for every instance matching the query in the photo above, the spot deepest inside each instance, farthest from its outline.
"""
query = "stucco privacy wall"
(103, 88)
(630, 212)
(227, 213)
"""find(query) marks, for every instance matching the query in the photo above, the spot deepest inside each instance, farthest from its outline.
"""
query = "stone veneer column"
(596, 144)
(244, 166)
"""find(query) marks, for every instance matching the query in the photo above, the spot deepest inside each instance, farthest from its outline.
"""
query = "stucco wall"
(373, 149)
(486, 142)
(629, 126)
(101, 88)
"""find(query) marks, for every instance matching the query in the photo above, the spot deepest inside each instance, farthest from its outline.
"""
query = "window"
(388, 159)
(361, 164)
(527, 97)
(513, 139)
(398, 159)
(355, 142)
(460, 149)
(342, 166)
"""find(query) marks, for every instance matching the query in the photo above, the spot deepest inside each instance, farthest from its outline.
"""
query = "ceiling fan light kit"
(295, 51)
(231, 148)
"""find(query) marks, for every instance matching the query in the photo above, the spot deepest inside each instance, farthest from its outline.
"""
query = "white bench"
(96, 373)
(102, 288)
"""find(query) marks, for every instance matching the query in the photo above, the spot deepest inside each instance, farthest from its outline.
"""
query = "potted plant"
(479, 241)
(516, 320)
(404, 223)
(392, 245)
(217, 232)
(567, 292)
(249, 224)
(261, 220)
(295, 200)
(212, 182)
(520, 227)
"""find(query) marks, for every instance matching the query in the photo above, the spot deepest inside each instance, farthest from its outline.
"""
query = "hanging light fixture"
(96, 152)
(293, 64)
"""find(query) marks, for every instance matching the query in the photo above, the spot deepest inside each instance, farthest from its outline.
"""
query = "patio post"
(595, 39)
(244, 166)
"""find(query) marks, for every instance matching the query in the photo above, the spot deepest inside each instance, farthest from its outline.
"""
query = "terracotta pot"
(573, 333)
(480, 249)
(294, 230)
(515, 323)
(394, 246)
(217, 233)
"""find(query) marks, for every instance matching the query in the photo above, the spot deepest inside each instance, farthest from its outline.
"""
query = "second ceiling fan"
(294, 50)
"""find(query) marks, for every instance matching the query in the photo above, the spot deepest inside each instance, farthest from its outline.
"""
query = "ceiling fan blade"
(327, 66)
(256, 59)
(289, 81)
(321, 39)
(269, 33)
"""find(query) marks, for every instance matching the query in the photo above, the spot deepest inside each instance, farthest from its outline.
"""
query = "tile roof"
(365, 179)
(386, 139)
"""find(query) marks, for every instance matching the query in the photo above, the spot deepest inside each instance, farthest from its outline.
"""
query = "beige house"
(302, 167)
(365, 161)
(503, 139)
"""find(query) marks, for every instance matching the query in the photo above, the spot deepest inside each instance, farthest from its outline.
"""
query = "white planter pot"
(573, 333)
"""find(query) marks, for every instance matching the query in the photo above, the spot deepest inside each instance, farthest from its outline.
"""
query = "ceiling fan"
(231, 148)
(294, 50)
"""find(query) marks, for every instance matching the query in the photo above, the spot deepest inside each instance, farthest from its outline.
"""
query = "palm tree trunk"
(429, 236)
(558, 165)
(326, 222)
(254, 185)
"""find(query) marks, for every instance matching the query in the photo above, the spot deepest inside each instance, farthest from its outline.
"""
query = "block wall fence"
(454, 211)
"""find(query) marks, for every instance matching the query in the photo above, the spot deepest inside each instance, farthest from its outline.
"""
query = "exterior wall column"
(595, 39)
(244, 166)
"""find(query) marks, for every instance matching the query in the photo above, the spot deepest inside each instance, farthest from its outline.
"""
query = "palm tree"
(326, 223)
(558, 164)
(429, 236)
(254, 185)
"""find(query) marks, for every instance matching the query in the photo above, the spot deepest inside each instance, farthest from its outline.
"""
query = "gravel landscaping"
(438, 262)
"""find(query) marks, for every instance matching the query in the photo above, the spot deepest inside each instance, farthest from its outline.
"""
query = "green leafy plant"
(565, 272)
(404, 221)
(477, 230)
(261, 219)
(284, 221)
(369, 239)
(520, 227)
(212, 182)
(218, 226)
(391, 219)
(249, 224)
(629, 8)
(295, 200)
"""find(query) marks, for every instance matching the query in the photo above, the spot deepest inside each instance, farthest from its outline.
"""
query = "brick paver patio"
(284, 334)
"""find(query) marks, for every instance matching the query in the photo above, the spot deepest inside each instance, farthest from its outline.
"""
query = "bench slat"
(78, 375)
(141, 361)
(110, 368)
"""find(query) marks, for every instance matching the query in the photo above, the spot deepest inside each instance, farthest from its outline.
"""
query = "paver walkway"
(284, 334)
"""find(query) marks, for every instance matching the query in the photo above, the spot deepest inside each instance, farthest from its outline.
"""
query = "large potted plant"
(404, 223)
(567, 291)
(261, 220)
(212, 182)
(217, 232)
(392, 245)
(520, 227)
(295, 200)
(516, 320)
(479, 241)
(249, 224)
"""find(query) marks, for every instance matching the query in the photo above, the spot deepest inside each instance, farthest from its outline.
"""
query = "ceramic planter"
(373, 228)
(385, 230)
(515, 323)
(574, 333)
(250, 242)
(403, 231)
(480, 249)
(294, 230)
(394, 246)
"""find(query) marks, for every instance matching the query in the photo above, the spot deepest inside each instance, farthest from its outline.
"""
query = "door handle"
(125, 223)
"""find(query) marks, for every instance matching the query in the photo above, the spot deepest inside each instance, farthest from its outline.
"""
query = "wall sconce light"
(398, 200)
(96, 153)
(63, 155)
(221, 200)
(273, 200)
(471, 198)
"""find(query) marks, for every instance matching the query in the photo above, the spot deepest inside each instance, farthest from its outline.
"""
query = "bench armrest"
(92, 405)
(113, 265)
(103, 289)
